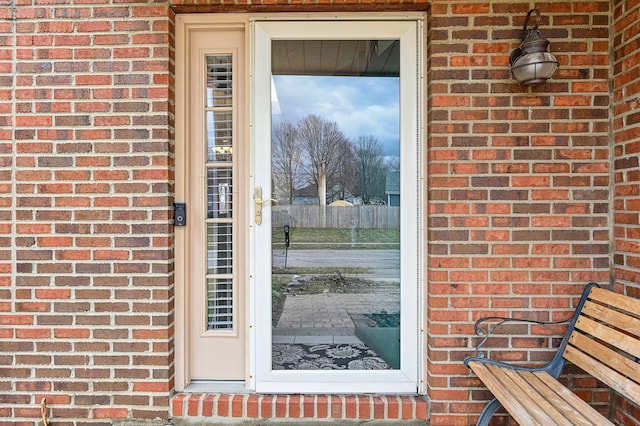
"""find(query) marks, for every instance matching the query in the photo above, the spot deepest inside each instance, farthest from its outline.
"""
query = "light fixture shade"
(534, 68)
(531, 63)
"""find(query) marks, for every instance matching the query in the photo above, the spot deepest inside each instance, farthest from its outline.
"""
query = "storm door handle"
(259, 202)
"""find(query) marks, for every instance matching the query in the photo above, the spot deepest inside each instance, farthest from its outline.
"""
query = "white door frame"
(190, 28)
(409, 29)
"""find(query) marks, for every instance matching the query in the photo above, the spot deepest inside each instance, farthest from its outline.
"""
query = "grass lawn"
(317, 238)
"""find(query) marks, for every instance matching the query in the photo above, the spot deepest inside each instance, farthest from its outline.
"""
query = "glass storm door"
(335, 140)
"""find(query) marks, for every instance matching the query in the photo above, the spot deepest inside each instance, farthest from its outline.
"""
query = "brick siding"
(518, 182)
(87, 181)
(222, 407)
(519, 201)
(626, 163)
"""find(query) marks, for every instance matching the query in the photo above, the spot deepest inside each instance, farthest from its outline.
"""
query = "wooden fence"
(314, 216)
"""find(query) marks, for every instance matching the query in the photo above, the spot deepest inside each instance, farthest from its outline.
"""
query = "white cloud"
(360, 105)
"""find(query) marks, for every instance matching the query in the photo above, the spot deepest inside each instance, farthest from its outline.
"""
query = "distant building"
(392, 189)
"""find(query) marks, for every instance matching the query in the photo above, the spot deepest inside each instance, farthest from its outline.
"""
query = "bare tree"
(392, 164)
(343, 182)
(372, 170)
(286, 160)
(323, 143)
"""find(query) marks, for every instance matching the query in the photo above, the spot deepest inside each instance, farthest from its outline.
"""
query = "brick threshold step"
(255, 409)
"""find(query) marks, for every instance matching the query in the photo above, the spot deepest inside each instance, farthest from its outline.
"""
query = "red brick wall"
(86, 172)
(518, 181)
(626, 163)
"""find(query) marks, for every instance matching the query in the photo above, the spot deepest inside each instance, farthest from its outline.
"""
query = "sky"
(360, 105)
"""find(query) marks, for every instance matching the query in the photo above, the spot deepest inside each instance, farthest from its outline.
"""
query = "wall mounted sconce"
(531, 64)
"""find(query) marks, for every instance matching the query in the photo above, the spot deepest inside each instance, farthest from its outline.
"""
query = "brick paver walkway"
(328, 314)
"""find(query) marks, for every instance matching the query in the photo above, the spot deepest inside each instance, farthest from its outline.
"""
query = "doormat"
(353, 356)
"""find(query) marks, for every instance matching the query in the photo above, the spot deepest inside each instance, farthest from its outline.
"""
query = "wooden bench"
(602, 338)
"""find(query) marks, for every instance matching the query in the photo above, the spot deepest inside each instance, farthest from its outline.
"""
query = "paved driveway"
(383, 264)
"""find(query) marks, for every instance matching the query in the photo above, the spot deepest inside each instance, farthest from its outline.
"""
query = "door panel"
(215, 290)
(335, 273)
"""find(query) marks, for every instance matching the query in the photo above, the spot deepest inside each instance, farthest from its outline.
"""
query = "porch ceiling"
(336, 57)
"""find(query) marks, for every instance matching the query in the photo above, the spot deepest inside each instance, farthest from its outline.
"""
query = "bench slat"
(583, 412)
(613, 337)
(519, 412)
(612, 378)
(536, 398)
(597, 350)
(621, 320)
(537, 409)
(533, 397)
(618, 300)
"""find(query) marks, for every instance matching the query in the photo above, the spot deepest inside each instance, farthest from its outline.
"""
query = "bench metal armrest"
(485, 327)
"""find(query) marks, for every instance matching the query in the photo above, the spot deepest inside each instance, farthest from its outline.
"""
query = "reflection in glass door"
(335, 171)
